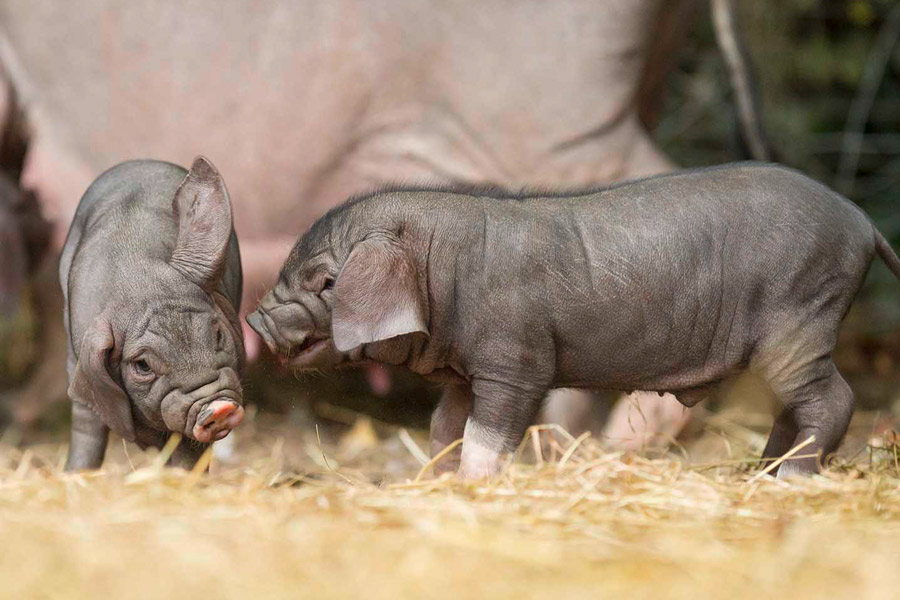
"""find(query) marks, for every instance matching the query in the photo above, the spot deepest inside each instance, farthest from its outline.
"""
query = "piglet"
(151, 276)
(667, 284)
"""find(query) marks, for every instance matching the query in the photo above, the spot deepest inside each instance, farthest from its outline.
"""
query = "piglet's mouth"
(263, 324)
(308, 345)
(312, 353)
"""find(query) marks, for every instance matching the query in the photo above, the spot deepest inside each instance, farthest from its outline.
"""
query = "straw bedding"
(339, 512)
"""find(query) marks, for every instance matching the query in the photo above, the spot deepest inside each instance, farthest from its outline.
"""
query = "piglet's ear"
(203, 213)
(377, 295)
(92, 385)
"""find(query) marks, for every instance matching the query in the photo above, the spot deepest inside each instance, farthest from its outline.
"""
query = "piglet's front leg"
(186, 454)
(89, 436)
(501, 414)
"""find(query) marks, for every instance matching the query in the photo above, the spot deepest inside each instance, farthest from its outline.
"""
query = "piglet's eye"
(142, 368)
(329, 283)
(220, 339)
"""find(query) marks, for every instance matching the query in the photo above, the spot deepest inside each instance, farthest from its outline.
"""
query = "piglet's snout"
(216, 420)
(210, 411)
(256, 322)
(284, 327)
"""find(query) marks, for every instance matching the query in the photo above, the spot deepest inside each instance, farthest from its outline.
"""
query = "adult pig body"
(119, 279)
(753, 267)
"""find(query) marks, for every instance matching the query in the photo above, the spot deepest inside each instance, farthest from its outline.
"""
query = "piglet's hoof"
(479, 462)
(217, 420)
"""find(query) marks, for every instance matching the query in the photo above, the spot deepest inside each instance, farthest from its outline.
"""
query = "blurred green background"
(828, 78)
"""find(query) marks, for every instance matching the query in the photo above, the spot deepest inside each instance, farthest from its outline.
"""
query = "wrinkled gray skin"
(753, 268)
(151, 276)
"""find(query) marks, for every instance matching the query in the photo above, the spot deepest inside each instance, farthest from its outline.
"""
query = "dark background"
(828, 78)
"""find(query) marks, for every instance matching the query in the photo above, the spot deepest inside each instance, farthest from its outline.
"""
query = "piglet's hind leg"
(822, 407)
(448, 425)
(784, 432)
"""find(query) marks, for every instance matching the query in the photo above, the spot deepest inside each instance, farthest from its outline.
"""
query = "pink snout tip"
(217, 420)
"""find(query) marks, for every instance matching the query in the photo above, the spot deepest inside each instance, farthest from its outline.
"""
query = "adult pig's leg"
(448, 424)
(501, 413)
(89, 436)
(644, 419)
(569, 408)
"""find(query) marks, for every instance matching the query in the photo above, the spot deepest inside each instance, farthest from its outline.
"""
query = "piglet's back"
(123, 226)
(129, 209)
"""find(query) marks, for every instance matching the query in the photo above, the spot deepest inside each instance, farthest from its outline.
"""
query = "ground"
(344, 512)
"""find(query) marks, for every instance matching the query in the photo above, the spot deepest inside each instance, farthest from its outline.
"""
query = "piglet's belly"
(647, 365)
